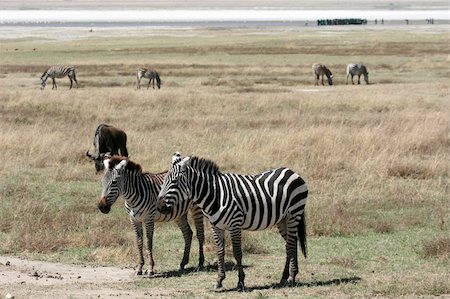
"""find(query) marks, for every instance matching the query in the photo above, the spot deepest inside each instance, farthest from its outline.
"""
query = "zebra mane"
(132, 166)
(204, 165)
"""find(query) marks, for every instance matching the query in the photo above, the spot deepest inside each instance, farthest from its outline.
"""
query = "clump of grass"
(436, 248)
(412, 171)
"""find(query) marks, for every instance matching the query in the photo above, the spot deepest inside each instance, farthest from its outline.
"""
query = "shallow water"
(162, 16)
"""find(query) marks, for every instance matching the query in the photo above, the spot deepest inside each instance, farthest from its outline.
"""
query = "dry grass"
(375, 157)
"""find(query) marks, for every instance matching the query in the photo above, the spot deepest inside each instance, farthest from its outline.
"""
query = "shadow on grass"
(229, 266)
(318, 283)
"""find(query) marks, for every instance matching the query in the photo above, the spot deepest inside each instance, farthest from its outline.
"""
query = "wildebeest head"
(98, 160)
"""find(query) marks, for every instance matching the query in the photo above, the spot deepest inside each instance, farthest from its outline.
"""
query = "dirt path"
(24, 278)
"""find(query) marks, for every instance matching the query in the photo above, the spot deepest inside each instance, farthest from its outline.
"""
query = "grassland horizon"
(375, 157)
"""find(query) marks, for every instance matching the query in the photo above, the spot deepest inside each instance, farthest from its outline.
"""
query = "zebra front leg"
(237, 252)
(183, 224)
(197, 216)
(148, 85)
(54, 84)
(139, 241)
(149, 227)
(322, 81)
(220, 246)
(71, 83)
(359, 79)
(317, 80)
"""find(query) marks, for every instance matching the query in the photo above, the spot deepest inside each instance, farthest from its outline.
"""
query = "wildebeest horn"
(93, 157)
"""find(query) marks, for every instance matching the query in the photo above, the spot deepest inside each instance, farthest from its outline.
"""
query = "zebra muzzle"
(103, 206)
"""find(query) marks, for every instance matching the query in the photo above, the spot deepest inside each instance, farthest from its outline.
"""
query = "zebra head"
(176, 186)
(112, 183)
(42, 83)
(366, 77)
(330, 80)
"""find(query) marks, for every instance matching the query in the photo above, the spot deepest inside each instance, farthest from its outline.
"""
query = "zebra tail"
(301, 231)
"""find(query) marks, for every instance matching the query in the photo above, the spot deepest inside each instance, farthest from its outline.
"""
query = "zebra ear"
(176, 158)
(185, 162)
(122, 164)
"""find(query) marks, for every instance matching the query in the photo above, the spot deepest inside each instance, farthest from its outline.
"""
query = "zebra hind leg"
(237, 252)
(282, 228)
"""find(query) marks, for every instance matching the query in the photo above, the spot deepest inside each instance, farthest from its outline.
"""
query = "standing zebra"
(321, 70)
(59, 71)
(148, 74)
(140, 190)
(235, 202)
(357, 70)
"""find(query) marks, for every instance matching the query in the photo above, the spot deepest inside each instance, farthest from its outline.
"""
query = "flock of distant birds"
(319, 71)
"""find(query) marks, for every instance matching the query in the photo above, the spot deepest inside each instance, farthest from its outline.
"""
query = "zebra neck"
(204, 191)
(45, 76)
(137, 188)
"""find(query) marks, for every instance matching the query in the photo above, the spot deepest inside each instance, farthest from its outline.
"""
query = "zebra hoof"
(240, 286)
(291, 282)
(151, 274)
(283, 282)
(139, 273)
(199, 268)
(217, 287)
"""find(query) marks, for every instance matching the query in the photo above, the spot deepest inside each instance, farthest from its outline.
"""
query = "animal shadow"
(317, 283)
(229, 266)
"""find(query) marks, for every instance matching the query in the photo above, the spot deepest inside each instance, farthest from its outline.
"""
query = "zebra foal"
(234, 202)
(357, 70)
(59, 71)
(140, 190)
(150, 74)
(321, 70)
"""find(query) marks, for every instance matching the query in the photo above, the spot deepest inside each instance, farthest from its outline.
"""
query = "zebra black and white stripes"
(150, 74)
(59, 71)
(140, 190)
(235, 202)
(321, 70)
(357, 70)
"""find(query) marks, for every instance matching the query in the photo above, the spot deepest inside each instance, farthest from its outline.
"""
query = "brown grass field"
(375, 157)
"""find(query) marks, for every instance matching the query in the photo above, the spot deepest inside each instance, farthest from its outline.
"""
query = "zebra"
(59, 71)
(148, 74)
(321, 70)
(234, 202)
(140, 190)
(358, 70)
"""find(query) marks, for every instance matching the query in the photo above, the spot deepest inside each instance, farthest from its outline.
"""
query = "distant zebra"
(59, 71)
(140, 190)
(148, 74)
(321, 70)
(357, 70)
(235, 202)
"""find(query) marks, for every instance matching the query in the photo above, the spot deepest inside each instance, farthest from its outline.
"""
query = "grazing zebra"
(321, 70)
(59, 71)
(140, 190)
(357, 70)
(235, 202)
(148, 74)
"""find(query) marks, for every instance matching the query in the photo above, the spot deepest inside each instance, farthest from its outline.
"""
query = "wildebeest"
(108, 139)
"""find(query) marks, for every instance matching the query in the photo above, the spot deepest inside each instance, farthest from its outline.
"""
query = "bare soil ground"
(23, 278)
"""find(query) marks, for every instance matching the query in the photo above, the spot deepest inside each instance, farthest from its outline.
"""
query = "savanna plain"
(375, 157)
